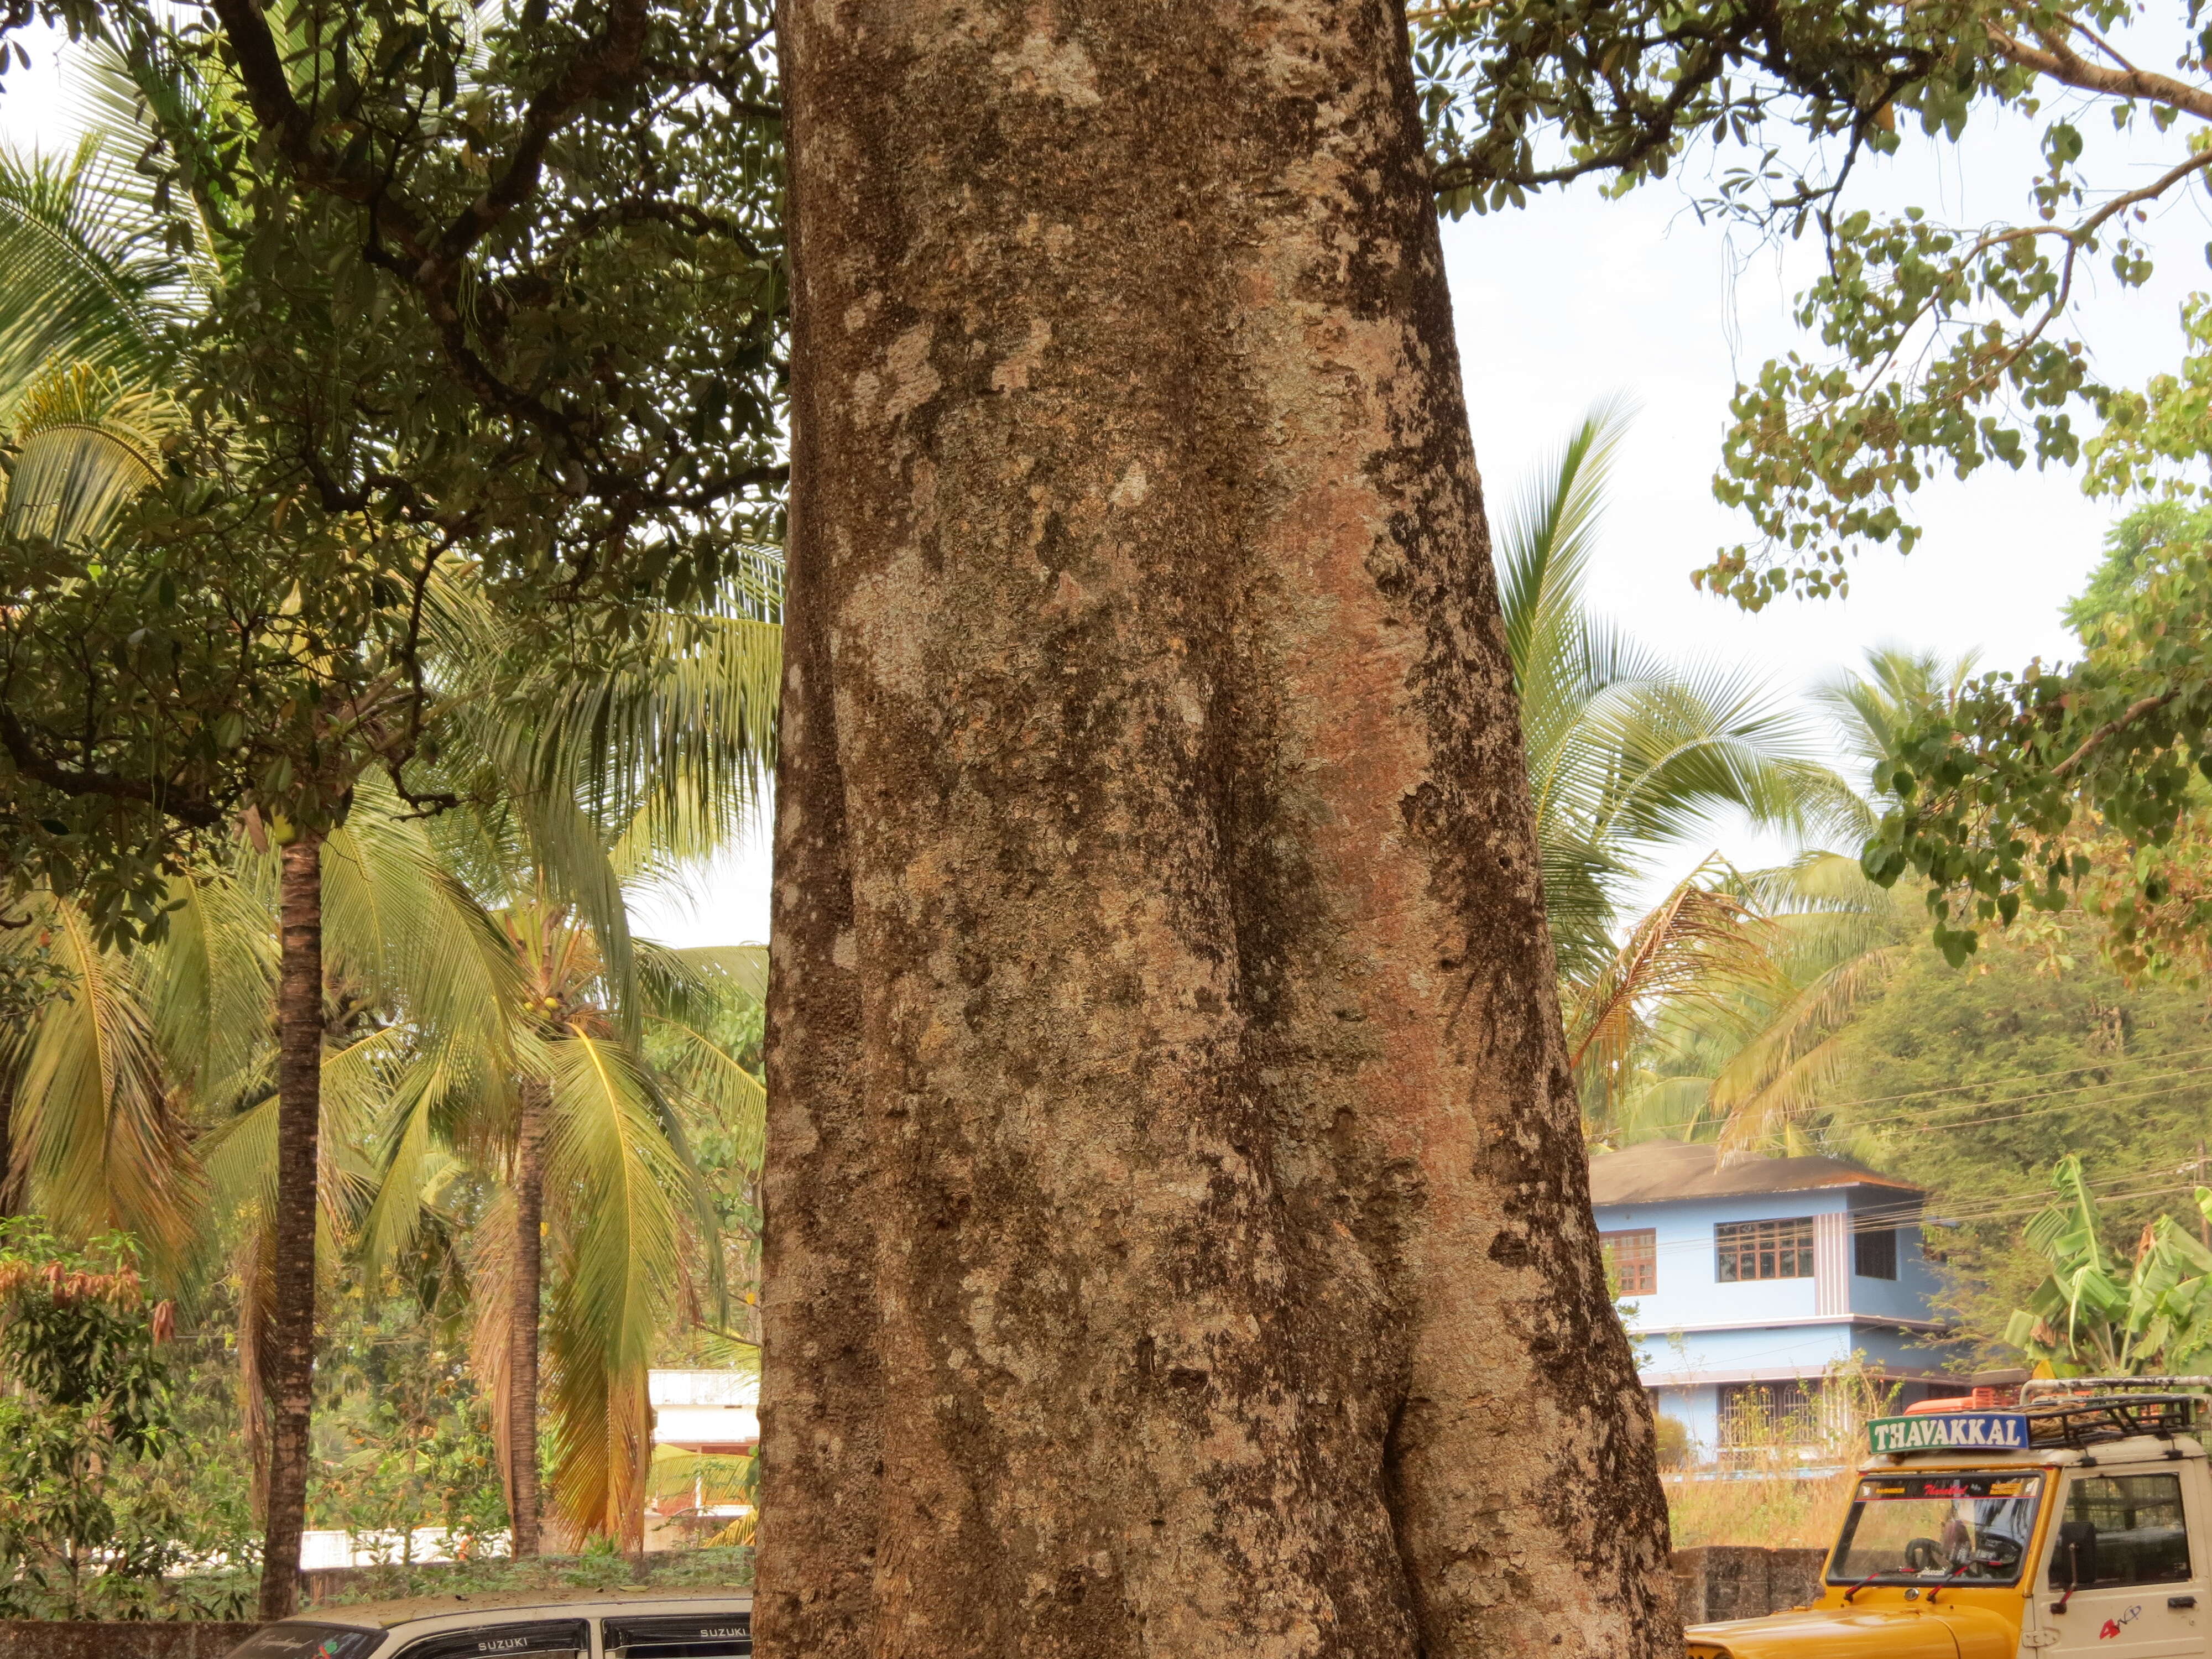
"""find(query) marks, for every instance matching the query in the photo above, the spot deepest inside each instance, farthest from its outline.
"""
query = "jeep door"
(2123, 1573)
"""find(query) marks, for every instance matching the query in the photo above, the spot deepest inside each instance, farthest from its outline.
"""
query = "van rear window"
(540, 1637)
(296, 1638)
(687, 1636)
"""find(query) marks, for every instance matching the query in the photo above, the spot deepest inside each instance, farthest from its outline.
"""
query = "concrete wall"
(151, 1638)
(1715, 1582)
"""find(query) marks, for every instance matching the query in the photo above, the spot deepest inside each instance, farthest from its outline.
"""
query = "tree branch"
(692, 220)
(430, 264)
(112, 785)
(2120, 722)
(2060, 61)
(600, 65)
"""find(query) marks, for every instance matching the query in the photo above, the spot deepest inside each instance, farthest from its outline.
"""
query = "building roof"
(1662, 1171)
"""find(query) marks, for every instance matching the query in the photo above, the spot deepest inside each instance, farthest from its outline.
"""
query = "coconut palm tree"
(580, 784)
(609, 1175)
(470, 1023)
(599, 1203)
(1732, 1034)
(1740, 982)
(1742, 1052)
(1629, 752)
(670, 748)
(1872, 707)
(81, 398)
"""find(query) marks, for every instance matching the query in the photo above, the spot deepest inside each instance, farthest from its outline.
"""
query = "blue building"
(1745, 1280)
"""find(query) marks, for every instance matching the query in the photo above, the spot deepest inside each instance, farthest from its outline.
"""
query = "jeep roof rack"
(2082, 1411)
(2087, 1419)
(2033, 1388)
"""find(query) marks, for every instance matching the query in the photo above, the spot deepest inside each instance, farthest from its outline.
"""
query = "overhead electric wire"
(1952, 1088)
(2141, 1093)
(1873, 1221)
(2129, 1099)
(2040, 1093)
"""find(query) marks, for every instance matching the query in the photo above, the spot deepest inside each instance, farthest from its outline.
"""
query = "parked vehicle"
(2046, 1519)
(579, 1625)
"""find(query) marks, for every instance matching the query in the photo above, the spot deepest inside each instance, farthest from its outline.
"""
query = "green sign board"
(1950, 1431)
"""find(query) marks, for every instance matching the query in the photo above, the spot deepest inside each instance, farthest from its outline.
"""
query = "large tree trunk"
(1177, 1226)
(523, 1486)
(291, 1372)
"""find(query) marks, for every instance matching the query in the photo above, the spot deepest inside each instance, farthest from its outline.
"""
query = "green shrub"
(89, 1525)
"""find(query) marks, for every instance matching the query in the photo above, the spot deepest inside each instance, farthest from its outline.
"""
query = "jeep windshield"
(1933, 1529)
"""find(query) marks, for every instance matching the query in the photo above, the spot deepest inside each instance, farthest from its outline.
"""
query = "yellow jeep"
(2060, 1520)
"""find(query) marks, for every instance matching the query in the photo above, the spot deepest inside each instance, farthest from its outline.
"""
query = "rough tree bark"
(1177, 1233)
(291, 1374)
(523, 1484)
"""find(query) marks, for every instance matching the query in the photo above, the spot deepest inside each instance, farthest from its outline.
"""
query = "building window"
(1754, 1415)
(1874, 1252)
(1763, 1250)
(1633, 1255)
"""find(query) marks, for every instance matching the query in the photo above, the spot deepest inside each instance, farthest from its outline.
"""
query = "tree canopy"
(444, 288)
(1941, 345)
(1932, 342)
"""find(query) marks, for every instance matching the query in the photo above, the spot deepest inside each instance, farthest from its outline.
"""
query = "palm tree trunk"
(292, 1312)
(524, 1505)
(7, 1135)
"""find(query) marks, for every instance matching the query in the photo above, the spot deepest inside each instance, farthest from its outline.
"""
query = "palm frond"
(84, 277)
(123, 99)
(615, 1191)
(85, 443)
(1626, 750)
(97, 1142)
(1548, 534)
(1872, 707)
(1698, 944)
(395, 918)
(240, 1156)
(212, 987)
(1778, 1074)
(491, 1294)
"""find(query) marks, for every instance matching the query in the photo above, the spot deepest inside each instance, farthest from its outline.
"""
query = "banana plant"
(2095, 1315)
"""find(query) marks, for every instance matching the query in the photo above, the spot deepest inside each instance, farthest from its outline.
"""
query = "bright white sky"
(1576, 299)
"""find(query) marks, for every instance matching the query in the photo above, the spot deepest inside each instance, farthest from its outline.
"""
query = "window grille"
(1763, 1250)
(1874, 1252)
(1633, 1255)
(1754, 1415)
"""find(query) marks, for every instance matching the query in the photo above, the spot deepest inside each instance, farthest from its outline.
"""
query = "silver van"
(556, 1624)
